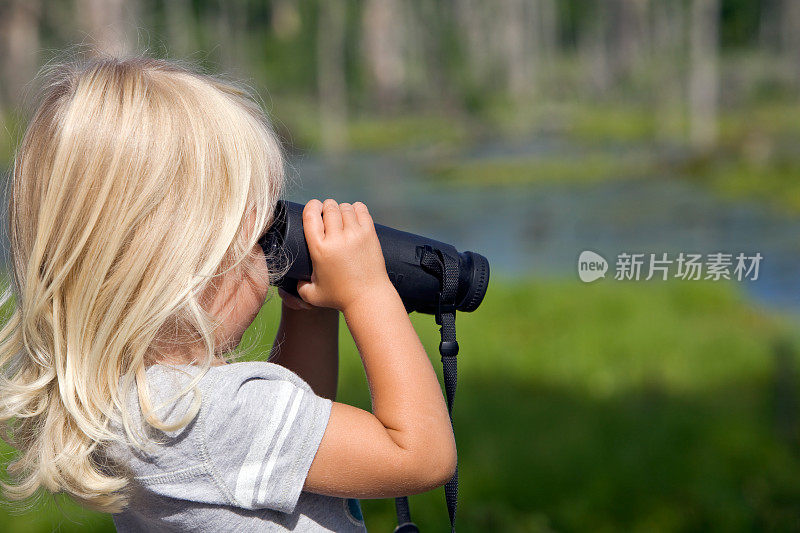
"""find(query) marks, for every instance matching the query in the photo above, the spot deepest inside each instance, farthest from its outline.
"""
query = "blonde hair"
(137, 182)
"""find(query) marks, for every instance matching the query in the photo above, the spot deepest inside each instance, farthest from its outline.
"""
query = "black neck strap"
(445, 268)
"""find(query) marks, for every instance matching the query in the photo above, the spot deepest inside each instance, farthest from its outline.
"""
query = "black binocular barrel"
(402, 251)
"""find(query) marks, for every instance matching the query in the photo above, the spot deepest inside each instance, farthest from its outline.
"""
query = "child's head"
(138, 189)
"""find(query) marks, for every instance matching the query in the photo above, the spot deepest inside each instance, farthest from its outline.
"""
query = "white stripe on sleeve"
(276, 448)
(254, 461)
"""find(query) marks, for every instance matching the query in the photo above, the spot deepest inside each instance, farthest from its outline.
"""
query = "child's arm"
(307, 343)
(406, 445)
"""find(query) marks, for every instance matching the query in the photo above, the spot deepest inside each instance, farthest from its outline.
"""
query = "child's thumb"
(307, 291)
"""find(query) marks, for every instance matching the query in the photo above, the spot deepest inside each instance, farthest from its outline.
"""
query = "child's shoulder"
(222, 391)
(240, 372)
(219, 378)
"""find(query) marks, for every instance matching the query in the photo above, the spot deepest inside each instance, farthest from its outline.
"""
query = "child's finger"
(331, 217)
(362, 213)
(348, 215)
(312, 221)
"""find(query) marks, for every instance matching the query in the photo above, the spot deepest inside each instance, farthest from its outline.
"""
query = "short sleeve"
(261, 427)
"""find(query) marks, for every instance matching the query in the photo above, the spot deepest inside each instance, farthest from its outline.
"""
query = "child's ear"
(255, 271)
(248, 225)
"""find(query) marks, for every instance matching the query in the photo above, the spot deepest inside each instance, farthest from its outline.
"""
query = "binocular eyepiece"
(419, 288)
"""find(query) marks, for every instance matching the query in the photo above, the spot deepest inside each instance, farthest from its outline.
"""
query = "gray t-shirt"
(240, 464)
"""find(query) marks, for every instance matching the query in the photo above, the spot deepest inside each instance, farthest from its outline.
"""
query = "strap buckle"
(448, 348)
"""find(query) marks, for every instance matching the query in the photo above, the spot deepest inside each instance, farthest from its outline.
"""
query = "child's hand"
(346, 254)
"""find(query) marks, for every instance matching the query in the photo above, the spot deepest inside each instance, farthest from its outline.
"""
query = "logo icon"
(591, 266)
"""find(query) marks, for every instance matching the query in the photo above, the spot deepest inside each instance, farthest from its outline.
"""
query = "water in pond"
(541, 229)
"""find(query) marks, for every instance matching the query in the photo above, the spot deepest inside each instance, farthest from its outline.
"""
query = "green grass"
(611, 123)
(774, 183)
(604, 407)
(52, 514)
(590, 168)
(413, 131)
(772, 121)
(298, 120)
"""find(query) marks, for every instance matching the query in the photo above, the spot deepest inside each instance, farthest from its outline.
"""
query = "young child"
(137, 199)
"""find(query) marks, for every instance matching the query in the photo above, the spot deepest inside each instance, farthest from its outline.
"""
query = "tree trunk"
(518, 67)
(285, 19)
(431, 18)
(594, 49)
(229, 27)
(331, 78)
(668, 52)
(704, 73)
(19, 47)
(549, 30)
(477, 51)
(180, 22)
(110, 24)
(629, 38)
(383, 31)
(791, 37)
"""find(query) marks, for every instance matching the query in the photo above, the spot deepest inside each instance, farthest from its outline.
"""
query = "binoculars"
(286, 249)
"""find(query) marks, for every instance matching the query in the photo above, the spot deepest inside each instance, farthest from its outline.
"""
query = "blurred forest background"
(530, 130)
(672, 71)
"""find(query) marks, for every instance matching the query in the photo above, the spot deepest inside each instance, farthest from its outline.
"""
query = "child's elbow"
(445, 471)
(436, 466)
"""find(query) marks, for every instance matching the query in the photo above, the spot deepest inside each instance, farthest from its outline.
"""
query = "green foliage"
(739, 21)
(10, 135)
